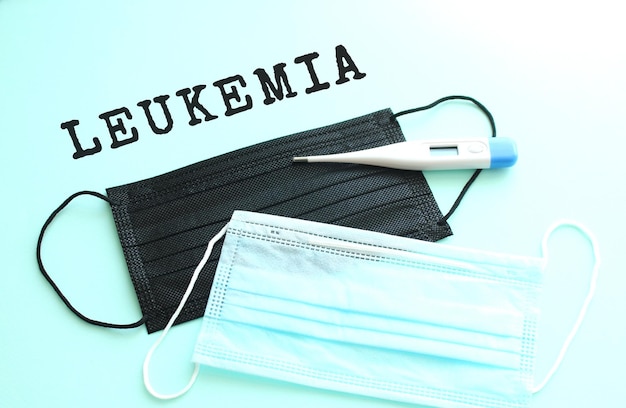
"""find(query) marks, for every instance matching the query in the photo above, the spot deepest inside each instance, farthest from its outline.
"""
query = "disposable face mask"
(163, 222)
(372, 314)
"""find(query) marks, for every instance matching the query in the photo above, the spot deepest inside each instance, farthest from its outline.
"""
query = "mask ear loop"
(196, 369)
(492, 123)
(54, 285)
(592, 289)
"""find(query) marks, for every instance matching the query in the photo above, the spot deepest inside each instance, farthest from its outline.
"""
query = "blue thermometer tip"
(503, 152)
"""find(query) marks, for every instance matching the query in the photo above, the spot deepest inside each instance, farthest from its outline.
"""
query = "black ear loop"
(55, 287)
(105, 198)
(482, 107)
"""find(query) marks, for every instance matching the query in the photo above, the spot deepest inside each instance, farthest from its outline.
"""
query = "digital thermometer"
(443, 154)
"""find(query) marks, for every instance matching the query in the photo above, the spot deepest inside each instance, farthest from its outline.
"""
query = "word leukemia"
(231, 90)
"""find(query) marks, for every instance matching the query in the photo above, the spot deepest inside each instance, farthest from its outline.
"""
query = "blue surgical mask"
(372, 314)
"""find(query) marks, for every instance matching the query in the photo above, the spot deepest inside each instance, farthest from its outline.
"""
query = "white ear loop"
(592, 288)
(196, 368)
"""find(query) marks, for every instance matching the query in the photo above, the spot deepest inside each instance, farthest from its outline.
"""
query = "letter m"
(276, 88)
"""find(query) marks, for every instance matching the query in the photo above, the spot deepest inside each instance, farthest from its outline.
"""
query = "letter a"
(343, 56)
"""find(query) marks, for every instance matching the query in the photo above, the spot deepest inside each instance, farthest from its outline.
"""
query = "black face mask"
(164, 222)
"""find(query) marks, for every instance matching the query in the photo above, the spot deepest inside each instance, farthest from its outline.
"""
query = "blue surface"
(552, 74)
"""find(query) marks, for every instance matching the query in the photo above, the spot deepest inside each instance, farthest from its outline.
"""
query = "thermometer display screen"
(444, 151)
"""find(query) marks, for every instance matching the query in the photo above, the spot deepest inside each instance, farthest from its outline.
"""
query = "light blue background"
(551, 73)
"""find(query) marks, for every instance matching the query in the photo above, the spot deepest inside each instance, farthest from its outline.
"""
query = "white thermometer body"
(446, 154)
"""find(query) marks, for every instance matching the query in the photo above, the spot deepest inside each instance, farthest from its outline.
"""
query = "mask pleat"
(286, 317)
(342, 203)
(245, 163)
(289, 190)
